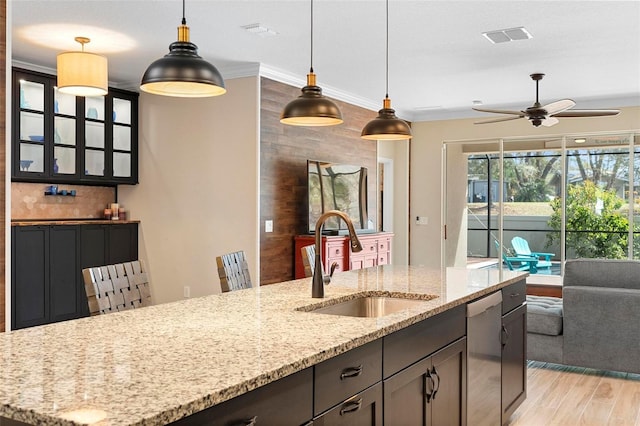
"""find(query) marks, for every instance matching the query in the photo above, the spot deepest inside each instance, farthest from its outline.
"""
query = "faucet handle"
(334, 265)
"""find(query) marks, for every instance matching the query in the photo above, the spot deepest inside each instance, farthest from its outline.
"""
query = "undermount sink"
(368, 306)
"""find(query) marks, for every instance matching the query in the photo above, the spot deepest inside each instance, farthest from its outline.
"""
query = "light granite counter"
(160, 363)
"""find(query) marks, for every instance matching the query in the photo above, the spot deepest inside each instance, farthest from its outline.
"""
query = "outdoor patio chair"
(519, 263)
(521, 247)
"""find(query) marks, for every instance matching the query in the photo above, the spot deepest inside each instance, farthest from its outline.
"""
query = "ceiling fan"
(546, 115)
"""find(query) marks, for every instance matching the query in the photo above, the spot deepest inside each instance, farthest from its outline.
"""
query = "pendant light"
(386, 126)
(182, 72)
(311, 108)
(82, 73)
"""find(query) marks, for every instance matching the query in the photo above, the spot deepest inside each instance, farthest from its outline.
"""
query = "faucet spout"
(319, 279)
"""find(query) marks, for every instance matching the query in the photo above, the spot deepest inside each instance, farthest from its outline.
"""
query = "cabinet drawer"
(283, 402)
(406, 346)
(335, 251)
(383, 258)
(383, 245)
(513, 296)
(340, 377)
(365, 408)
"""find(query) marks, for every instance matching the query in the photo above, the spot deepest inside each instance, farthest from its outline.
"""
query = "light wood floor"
(560, 395)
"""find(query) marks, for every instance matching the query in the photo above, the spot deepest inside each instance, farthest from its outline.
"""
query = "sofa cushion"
(544, 315)
(612, 273)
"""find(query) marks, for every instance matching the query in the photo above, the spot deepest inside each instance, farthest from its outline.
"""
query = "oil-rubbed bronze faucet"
(319, 279)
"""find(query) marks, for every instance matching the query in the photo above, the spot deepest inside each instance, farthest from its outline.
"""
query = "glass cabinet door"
(122, 132)
(94, 136)
(32, 126)
(64, 134)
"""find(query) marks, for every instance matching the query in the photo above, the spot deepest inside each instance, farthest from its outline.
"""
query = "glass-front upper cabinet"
(61, 137)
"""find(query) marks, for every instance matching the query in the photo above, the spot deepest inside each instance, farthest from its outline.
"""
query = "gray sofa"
(596, 323)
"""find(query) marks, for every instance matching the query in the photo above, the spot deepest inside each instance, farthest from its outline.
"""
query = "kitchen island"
(162, 363)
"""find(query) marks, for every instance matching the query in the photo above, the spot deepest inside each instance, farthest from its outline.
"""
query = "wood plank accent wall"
(284, 151)
(3, 153)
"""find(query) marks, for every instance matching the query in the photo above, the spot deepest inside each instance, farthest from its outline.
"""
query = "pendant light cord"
(387, 55)
(311, 68)
(184, 20)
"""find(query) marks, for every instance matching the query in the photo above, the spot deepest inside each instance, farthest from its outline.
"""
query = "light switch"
(268, 226)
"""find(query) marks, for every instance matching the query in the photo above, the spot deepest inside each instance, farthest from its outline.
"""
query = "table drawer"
(335, 251)
(340, 377)
(513, 295)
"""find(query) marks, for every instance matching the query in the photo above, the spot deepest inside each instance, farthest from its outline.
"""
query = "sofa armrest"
(602, 327)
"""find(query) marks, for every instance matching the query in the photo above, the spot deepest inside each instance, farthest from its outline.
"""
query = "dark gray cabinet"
(47, 263)
(45, 272)
(429, 392)
(287, 401)
(59, 137)
(514, 361)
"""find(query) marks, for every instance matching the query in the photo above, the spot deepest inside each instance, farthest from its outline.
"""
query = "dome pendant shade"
(82, 73)
(311, 108)
(182, 72)
(386, 126)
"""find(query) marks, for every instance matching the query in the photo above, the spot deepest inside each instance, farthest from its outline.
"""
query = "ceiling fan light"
(386, 126)
(311, 108)
(82, 73)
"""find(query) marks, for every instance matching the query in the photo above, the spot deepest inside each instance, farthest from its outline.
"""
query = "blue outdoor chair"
(519, 263)
(521, 247)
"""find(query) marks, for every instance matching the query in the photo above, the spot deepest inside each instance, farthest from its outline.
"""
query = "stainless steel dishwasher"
(484, 356)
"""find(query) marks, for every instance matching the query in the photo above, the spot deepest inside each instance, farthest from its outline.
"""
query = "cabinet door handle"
(512, 295)
(504, 337)
(351, 372)
(351, 407)
(436, 385)
(248, 422)
(428, 386)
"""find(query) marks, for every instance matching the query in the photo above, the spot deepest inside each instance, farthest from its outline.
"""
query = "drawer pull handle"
(429, 385)
(504, 337)
(515, 294)
(351, 372)
(437, 385)
(248, 422)
(351, 407)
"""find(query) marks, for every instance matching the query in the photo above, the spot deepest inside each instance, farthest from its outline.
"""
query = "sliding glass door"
(551, 198)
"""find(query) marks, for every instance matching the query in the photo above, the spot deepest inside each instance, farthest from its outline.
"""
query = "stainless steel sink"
(367, 306)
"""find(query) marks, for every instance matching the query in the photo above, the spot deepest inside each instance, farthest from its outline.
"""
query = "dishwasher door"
(484, 361)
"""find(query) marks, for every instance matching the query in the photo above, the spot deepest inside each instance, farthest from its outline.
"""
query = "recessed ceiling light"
(580, 140)
(259, 30)
(508, 34)
(477, 102)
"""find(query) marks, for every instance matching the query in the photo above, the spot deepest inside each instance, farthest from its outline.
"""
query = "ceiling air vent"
(509, 34)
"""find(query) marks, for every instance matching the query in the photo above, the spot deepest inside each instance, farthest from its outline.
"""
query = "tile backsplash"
(29, 202)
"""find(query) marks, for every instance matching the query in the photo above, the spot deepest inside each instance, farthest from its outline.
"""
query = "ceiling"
(439, 62)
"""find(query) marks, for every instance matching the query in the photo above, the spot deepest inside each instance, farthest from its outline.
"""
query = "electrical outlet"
(187, 292)
(268, 226)
(422, 220)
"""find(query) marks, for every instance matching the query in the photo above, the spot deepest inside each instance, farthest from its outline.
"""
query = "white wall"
(199, 187)
(426, 165)
(398, 153)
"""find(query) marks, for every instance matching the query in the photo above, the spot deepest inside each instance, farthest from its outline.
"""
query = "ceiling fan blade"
(558, 106)
(498, 111)
(496, 120)
(587, 113)
(549, 121)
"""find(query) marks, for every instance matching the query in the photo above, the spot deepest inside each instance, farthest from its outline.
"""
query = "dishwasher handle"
(482, 305)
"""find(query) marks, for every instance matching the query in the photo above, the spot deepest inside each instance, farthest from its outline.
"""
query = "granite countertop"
(39, 222)
(160, 363)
